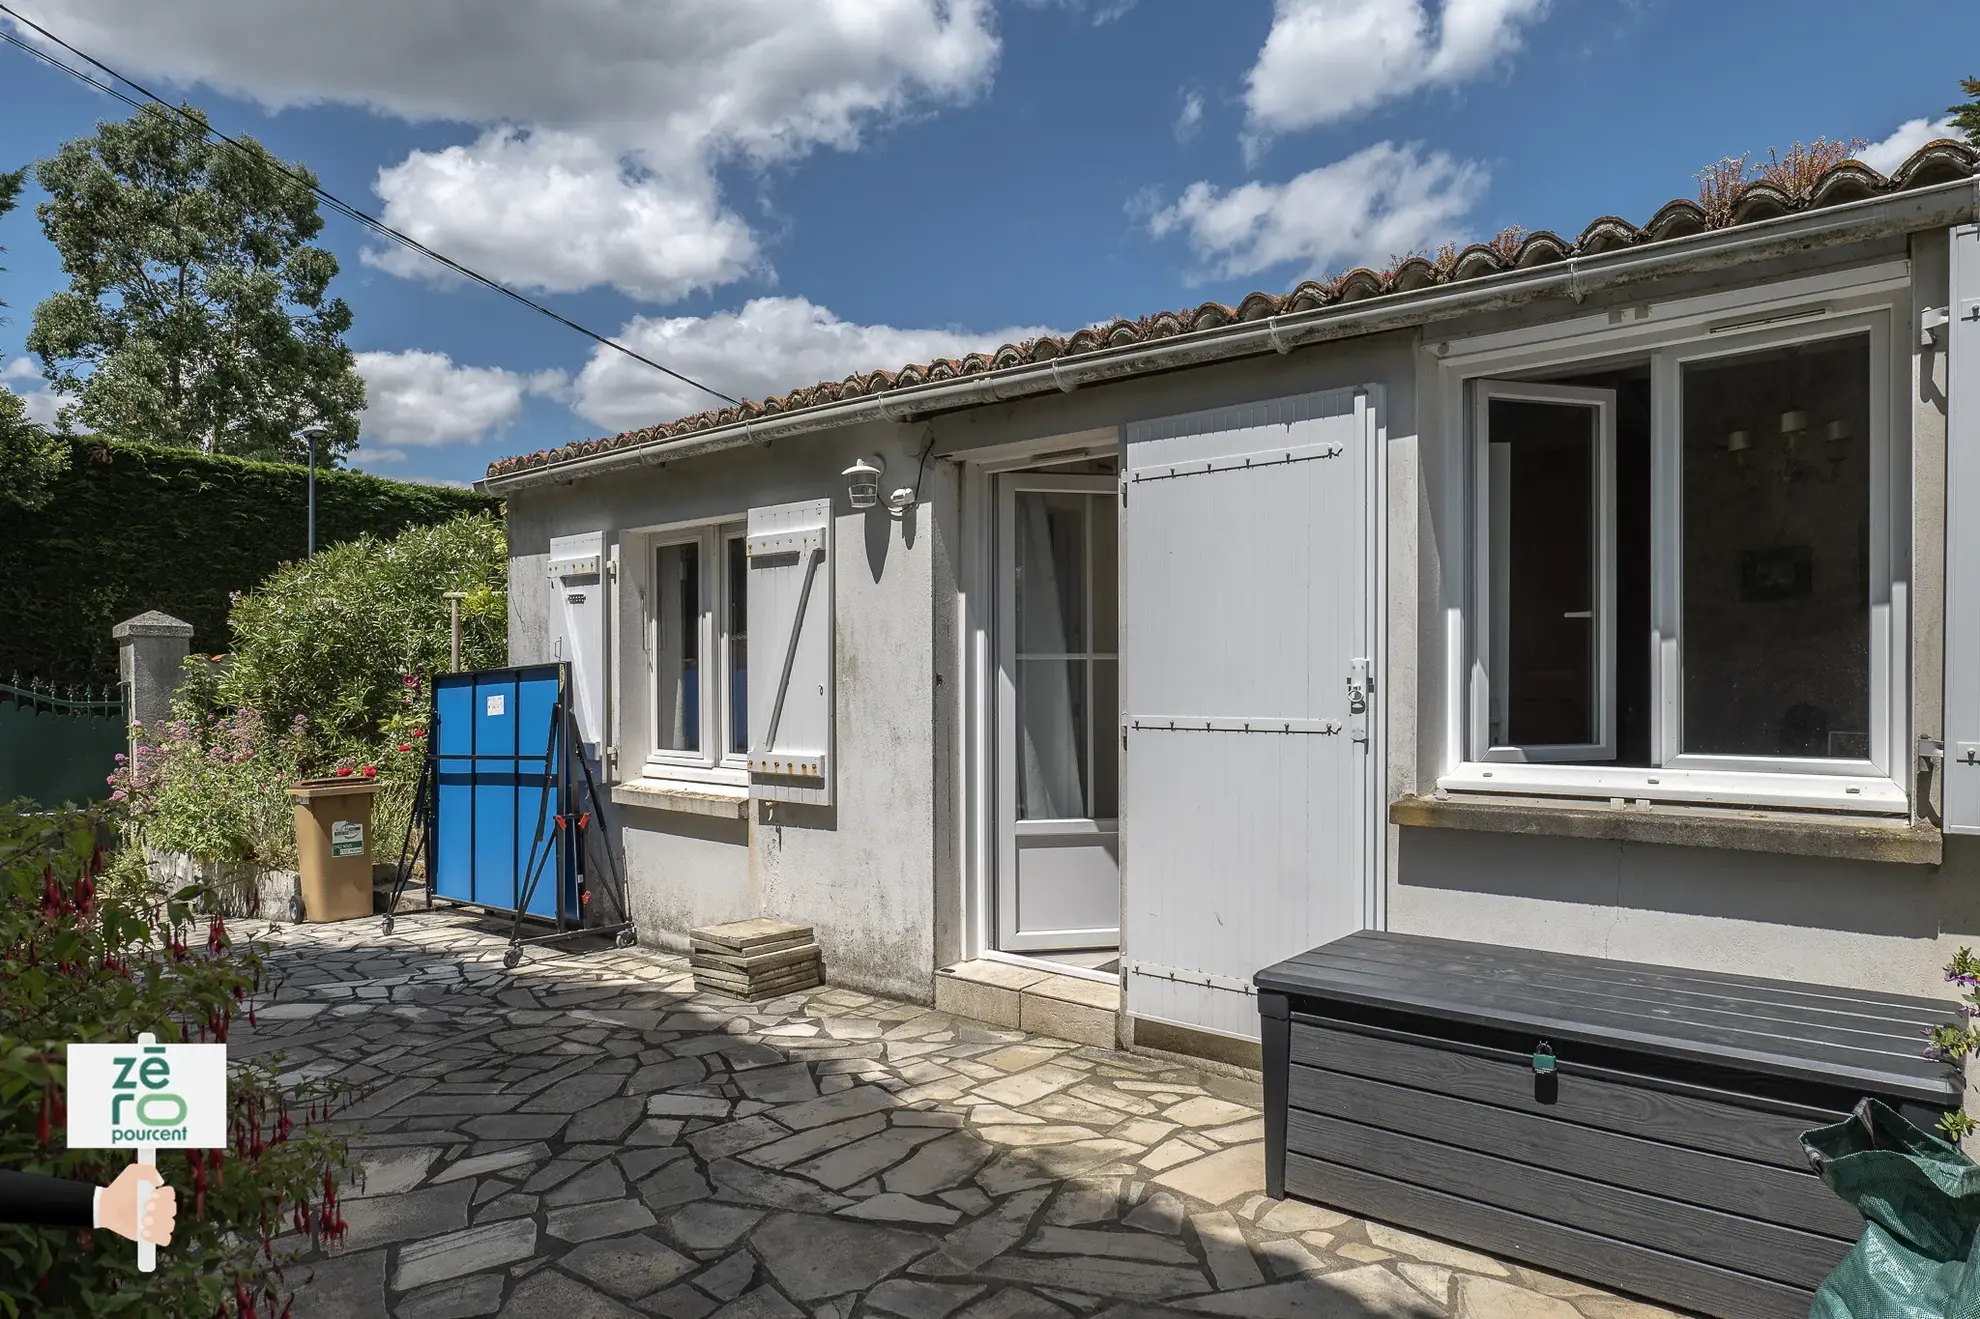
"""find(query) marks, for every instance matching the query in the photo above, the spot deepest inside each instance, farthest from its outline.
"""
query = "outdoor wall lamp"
(863, 481)
(900, 501)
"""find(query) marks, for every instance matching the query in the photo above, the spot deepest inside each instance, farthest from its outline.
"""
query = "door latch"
(1359, 684)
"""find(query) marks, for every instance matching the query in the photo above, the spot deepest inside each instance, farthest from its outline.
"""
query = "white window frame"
(715, 762)
(1873, 300)
(1491, 566)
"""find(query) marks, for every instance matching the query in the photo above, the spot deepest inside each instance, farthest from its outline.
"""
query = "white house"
(1607, 596)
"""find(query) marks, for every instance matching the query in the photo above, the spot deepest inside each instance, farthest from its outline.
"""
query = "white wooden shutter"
(577, 627)
(1249, 816)
(790, 652)
(1962, 730)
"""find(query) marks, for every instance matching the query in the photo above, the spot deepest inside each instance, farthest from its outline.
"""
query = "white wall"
(860, 871)
(881, 873)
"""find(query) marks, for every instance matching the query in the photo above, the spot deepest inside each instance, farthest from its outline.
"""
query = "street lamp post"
(312, 434)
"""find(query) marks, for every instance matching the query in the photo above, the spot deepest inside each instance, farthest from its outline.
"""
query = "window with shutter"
(789, 615)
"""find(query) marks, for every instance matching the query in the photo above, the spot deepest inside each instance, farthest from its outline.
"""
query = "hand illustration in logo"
(117, 1206)
(58, 1202)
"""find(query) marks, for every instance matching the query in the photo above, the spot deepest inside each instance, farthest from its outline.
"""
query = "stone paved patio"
(587, 1138)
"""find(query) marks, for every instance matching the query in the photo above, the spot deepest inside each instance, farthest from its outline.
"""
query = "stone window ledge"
(723, 802)
(1786, 833)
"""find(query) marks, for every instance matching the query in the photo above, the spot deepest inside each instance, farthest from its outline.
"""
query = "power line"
(334, 202)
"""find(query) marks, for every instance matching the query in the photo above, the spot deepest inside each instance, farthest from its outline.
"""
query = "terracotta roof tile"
(1939, 162)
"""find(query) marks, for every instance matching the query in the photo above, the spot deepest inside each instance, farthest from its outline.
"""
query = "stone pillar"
(151, 659)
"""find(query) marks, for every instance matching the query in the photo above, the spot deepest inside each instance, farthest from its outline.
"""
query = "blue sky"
(764, 193)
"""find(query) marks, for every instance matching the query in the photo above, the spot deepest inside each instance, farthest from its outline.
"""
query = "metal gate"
(1249, 822)
(58, 748)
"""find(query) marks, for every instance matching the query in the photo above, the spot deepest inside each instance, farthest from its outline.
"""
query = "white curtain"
(1048, 746)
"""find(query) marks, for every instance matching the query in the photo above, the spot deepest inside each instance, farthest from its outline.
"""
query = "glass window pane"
(1052, 727)
(1776, 539)
(1106, 740)
(1546, 651)
(1051, 573)
(1106, 578)
(676, 647)
(738, 588)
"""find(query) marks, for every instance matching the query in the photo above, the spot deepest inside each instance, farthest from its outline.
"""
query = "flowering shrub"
(83, 963)
(211, 784)
(1956, 1041)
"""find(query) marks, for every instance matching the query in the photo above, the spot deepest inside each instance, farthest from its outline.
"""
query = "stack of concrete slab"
(755, 959)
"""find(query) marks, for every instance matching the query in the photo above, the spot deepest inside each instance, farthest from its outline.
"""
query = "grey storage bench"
(1633, 1126)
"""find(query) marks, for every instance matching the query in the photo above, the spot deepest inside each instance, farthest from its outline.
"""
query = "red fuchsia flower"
(405, 746)
(369, 771)
(419, 732)
(343, 771)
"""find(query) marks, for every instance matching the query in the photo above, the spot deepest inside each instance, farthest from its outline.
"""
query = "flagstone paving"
(586, 1137)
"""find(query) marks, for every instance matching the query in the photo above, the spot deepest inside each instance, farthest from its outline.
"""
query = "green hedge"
(137, 526)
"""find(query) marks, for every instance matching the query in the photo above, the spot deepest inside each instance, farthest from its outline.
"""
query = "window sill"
(1826, 794)
(1783, 833)
(718, 800)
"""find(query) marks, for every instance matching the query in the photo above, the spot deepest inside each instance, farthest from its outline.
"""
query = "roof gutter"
(1936, 207)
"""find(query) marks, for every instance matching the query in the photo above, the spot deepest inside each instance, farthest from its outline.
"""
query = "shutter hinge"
(611, 762)
(1124, 486)
(612, 570)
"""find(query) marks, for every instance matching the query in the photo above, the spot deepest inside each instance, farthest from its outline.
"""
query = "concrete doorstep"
(1042, 1002)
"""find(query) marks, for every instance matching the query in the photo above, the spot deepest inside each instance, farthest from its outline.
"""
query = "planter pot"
(240, 888)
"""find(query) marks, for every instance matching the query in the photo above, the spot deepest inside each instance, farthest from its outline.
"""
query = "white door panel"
(1247, 783)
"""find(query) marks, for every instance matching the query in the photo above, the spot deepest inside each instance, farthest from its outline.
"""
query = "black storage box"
(1633, 1126)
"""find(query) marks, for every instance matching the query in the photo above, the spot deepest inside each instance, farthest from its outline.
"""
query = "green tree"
(198, 312)
(1966, 117)
(30, 458)
(335, 638)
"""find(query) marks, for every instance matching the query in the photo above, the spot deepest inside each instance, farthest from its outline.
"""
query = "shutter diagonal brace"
(790, 650)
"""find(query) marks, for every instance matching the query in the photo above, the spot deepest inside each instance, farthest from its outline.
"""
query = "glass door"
(1058, 698)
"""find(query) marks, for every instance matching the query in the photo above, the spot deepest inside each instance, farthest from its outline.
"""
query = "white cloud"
(650, 99)
(558, 211)
(769, 346)
(23, 378)
(1887, 155)
(1382, 200)
(1328, 60)
(1191, 116)
(419, 399)
(1103, 11)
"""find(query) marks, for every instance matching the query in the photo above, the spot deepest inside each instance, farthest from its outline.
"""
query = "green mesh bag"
(1920, 1199)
